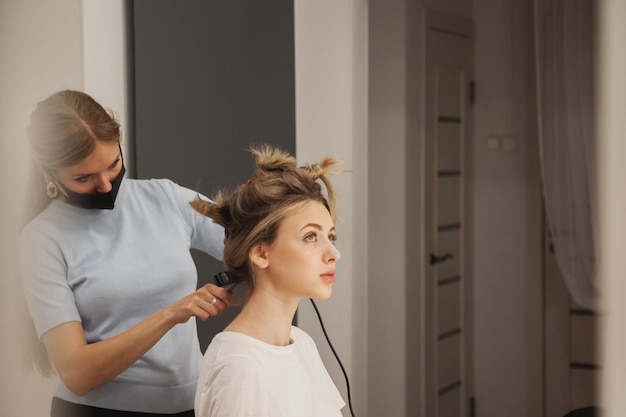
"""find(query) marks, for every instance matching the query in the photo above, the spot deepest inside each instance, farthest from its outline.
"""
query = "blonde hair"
(253, 212)
(64, 129)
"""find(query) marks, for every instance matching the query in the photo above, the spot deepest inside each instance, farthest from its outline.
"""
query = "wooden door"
(448, 83)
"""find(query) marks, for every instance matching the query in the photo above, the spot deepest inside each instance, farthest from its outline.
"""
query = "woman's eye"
(332, 239)
(310, 237)
(82, 179)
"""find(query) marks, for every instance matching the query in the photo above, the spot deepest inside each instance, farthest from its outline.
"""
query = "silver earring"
(51, 189)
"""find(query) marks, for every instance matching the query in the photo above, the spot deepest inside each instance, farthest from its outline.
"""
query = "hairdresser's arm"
(83, 367)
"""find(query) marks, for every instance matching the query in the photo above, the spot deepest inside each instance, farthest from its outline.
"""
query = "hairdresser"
(107, 272)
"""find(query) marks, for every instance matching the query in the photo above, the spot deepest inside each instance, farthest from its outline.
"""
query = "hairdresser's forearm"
(83, 367)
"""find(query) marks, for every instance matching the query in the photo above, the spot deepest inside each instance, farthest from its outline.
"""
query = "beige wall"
(612, 199)
(386, 206)
(501, 267)
(41, 51)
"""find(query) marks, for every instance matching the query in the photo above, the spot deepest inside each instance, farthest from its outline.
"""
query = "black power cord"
(345, 375)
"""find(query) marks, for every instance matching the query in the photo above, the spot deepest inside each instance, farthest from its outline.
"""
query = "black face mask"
(96, 200)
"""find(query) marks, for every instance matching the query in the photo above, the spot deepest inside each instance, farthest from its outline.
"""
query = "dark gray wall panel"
(209, 79)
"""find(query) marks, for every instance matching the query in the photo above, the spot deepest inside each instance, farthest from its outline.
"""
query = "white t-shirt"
(245, 377)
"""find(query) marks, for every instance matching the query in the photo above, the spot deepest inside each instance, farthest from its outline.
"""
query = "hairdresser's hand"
(84, 366)
(203, 303)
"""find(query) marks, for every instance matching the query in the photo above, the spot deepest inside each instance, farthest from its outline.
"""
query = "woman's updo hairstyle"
(253, 212)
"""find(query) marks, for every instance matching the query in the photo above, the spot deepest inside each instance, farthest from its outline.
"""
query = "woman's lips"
(329, 277)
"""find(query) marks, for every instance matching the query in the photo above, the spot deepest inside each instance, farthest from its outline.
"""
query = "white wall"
(331, 119)
(104, 63)
(41, 52)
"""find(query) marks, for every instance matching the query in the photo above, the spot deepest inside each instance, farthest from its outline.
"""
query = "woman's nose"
(333, 253)
(103, 185)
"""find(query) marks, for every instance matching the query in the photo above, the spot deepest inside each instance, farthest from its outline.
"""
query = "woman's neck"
(266, 317)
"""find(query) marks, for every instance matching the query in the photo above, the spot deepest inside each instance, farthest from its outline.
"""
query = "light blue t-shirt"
(110, 269)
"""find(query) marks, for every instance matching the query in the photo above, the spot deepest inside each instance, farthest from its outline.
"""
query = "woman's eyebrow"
(316, 226)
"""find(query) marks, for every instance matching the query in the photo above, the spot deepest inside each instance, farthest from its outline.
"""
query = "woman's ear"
(258, 256)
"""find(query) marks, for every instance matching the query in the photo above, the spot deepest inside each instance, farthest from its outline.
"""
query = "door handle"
(434, 259)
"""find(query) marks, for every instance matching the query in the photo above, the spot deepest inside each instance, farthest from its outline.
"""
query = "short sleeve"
(43, 273)
(206, 235)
